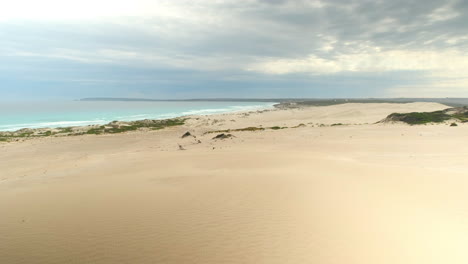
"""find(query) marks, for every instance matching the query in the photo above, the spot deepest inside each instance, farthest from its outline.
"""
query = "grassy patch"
(66, 130)
(250, 129)
(418, 118)
(47, 133)
(135, 125)
(277, 127)
(462, 116)
(113, 127)
(223, 136)
(300, 125)
(239, 129)
(119, 129)
(94, 131)
(25, 134)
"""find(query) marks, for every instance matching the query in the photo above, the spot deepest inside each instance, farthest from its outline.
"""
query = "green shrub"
(300, 125)
(250, 129)
(26, 134)
(94, 131)
(461, 116)
(277, 127)
(66, 130)
(418, 118)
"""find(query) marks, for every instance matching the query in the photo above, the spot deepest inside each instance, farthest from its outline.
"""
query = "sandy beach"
(340, 188)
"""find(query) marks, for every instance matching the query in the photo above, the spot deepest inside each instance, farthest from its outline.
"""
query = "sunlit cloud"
(450, 62)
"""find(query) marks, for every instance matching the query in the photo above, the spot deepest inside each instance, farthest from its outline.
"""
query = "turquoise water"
(14, 116)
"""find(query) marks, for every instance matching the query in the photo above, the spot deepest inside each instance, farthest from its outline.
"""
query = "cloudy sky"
(233, 48)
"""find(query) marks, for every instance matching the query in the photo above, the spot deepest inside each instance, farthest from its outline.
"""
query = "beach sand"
(354, 193)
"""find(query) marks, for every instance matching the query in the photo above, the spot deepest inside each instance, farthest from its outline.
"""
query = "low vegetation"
(223, 136)
(462, 116)
(253, 129)
(65, 129)
(300, 125)
(237, 130)
(420, 118)
(111, 128)
(277, 127)
(248, 129)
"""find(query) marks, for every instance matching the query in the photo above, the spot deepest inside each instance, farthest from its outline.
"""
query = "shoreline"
(116, 127)
(284, 105)
(271, 105)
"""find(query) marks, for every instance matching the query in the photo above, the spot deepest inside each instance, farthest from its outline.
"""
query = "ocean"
(18, 115)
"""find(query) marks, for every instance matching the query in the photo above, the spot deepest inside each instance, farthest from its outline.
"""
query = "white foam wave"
(14, 127)
(237, 108)
(54, 124)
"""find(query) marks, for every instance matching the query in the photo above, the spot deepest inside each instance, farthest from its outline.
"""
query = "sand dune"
(357, 193)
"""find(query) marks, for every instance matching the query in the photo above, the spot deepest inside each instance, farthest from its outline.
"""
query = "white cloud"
(444, 71)
(450, 61)
(456, 87)
(442, 14)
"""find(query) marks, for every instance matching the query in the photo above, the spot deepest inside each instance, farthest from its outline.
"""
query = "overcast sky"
(233, 48)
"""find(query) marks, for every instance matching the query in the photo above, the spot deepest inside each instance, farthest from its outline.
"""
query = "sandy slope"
(367, 193)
